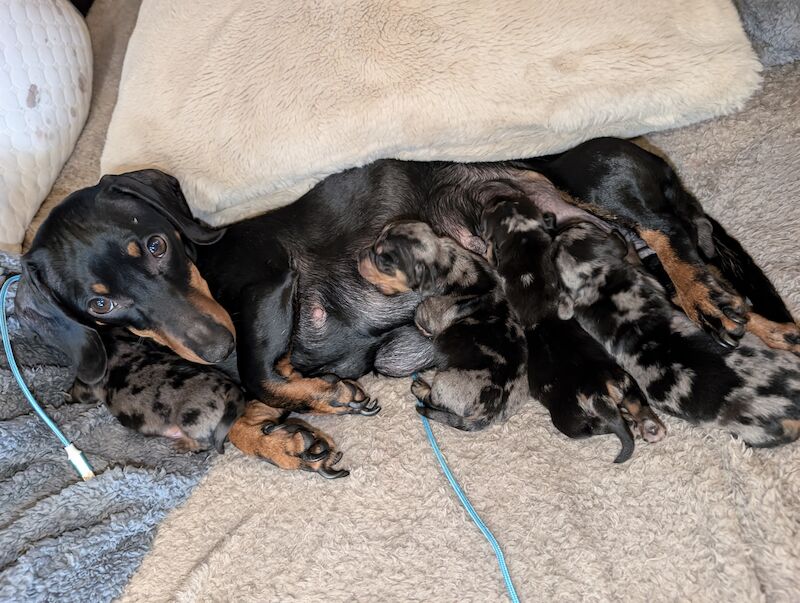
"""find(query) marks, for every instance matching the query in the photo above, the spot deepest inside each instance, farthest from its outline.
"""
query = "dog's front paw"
(350, 398)
(289, 444)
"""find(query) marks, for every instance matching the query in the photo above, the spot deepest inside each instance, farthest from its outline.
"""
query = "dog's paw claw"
(329, 473)
(734, 315)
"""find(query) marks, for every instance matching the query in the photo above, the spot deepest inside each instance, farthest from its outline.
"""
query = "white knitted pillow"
(45, 89)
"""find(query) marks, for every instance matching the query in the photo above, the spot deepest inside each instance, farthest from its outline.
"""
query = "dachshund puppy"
(151, 390)
(479, 349)
(583, 387)
(752, 391)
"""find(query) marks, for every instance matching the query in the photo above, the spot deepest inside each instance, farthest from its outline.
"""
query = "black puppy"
(480, 350)
(151, 390)
(586, 403)
(581, 402)
(752, 391)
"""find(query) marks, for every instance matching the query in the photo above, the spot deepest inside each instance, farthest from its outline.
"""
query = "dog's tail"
(619, 427)
(739, 269)
(234, 408)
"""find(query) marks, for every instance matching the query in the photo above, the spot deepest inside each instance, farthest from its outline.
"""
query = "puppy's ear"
(549, 221)
(617, 245)
(38, 309)
(163, 193)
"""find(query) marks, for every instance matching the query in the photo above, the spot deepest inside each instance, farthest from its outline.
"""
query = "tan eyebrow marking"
(100, 288)
(134, 250)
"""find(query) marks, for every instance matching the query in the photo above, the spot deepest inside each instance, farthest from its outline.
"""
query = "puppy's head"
(405, 257)
(585, 255)
(505, 220)
(119, 253)
(520, 239)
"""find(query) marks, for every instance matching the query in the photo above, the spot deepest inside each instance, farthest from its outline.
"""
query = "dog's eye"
(157, 246)
(101, 305)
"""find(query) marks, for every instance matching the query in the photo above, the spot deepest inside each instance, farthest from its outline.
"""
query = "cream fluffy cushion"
(250, 104)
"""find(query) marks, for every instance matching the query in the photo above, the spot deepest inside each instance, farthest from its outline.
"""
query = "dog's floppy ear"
(163, 193)
(37, 309)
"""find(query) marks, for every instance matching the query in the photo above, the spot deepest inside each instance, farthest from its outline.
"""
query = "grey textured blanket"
(62, 539)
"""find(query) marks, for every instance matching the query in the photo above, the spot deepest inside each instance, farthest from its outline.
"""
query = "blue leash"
(498, 552)
(76, 458)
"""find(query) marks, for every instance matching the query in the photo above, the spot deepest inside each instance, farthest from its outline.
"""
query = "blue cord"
(498, 552)
(75, 456)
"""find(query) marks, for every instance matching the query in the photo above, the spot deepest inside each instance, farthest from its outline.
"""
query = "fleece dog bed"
(696, 517)
(250, 104)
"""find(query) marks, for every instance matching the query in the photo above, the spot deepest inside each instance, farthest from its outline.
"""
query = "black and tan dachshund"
(284, 290)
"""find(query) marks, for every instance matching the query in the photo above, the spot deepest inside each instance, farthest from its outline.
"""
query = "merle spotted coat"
(479, 348)
(752, 391)
(151, 390)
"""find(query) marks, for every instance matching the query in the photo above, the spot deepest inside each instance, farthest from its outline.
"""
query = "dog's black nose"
(218, 351)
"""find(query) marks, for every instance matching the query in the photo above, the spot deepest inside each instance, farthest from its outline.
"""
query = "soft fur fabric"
(774, 28)
(251, 103)
(696, 517)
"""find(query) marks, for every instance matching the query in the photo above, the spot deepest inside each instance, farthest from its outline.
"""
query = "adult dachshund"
(284, 290)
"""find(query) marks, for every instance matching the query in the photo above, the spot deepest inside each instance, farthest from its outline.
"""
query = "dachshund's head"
(405, 257)
(120, 253)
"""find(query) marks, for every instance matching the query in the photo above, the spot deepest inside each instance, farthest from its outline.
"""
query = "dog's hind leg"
(624, 184)
(737, 267)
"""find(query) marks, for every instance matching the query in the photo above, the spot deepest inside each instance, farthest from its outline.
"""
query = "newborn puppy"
(752, 391)
(585, 390)
(519, 236)
(479, 348)
(151, 390)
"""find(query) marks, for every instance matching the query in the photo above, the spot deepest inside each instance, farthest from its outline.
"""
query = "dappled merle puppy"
(519, 239)
(575, 378)
(752, 391)
(151, 390)
(479, 349)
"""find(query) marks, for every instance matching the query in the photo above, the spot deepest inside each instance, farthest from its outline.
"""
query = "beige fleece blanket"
(694, 518)
(250, 104)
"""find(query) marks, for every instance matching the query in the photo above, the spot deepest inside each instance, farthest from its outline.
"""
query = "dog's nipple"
(318, 315)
